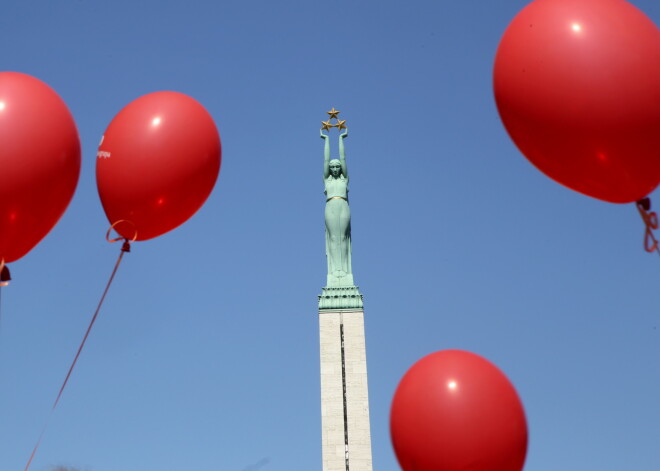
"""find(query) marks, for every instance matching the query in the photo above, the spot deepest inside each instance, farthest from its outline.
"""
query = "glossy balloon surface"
(39, 162)
(577, 85)
(454, 411)
(157, 164)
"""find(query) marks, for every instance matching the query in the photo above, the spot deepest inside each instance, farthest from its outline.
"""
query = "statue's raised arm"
(326, 155)
(342, 153)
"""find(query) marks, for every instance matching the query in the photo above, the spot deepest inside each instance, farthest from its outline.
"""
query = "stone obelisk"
(346, 432)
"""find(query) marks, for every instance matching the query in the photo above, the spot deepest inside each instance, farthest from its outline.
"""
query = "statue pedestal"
(346, 430)
(340, 297)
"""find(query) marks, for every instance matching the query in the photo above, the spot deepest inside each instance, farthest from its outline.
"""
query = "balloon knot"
(126, 246)
(645, 203)
(5, 276)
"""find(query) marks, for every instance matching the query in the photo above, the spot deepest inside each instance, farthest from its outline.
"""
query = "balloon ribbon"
(650, 219)
(126, 247)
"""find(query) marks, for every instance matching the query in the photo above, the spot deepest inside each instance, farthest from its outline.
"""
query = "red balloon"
(455, 411)
(577, 85)
(39, 162)
(157, 164)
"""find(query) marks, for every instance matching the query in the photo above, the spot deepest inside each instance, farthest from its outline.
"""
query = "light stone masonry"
(332, 400)
(337, 454)
(357, 394)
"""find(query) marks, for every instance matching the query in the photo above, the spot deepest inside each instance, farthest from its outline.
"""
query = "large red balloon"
(157, 164)
(455, 411)
(39, 162)
(577, 85)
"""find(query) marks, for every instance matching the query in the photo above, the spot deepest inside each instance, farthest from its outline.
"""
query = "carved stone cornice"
(342, 297)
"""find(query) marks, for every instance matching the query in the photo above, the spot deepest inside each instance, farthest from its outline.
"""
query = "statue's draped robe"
(338, 224)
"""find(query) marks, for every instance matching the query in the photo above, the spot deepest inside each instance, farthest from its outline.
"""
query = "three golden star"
(333, 114)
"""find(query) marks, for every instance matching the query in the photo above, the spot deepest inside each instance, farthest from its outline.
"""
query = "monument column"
(346, 433)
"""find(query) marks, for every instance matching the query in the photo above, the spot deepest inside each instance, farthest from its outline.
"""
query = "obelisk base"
(344, 392)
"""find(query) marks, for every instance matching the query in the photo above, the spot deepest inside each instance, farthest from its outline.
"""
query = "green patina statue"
(337, 212)
(340, 292)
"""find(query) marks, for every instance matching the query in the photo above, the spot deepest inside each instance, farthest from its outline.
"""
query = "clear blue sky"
(206, 353)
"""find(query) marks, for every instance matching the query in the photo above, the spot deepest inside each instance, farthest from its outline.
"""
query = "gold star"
(340, 124)
(327, 125)
(333, 113)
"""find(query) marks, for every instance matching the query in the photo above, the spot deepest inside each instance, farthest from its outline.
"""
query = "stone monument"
(346, 432)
